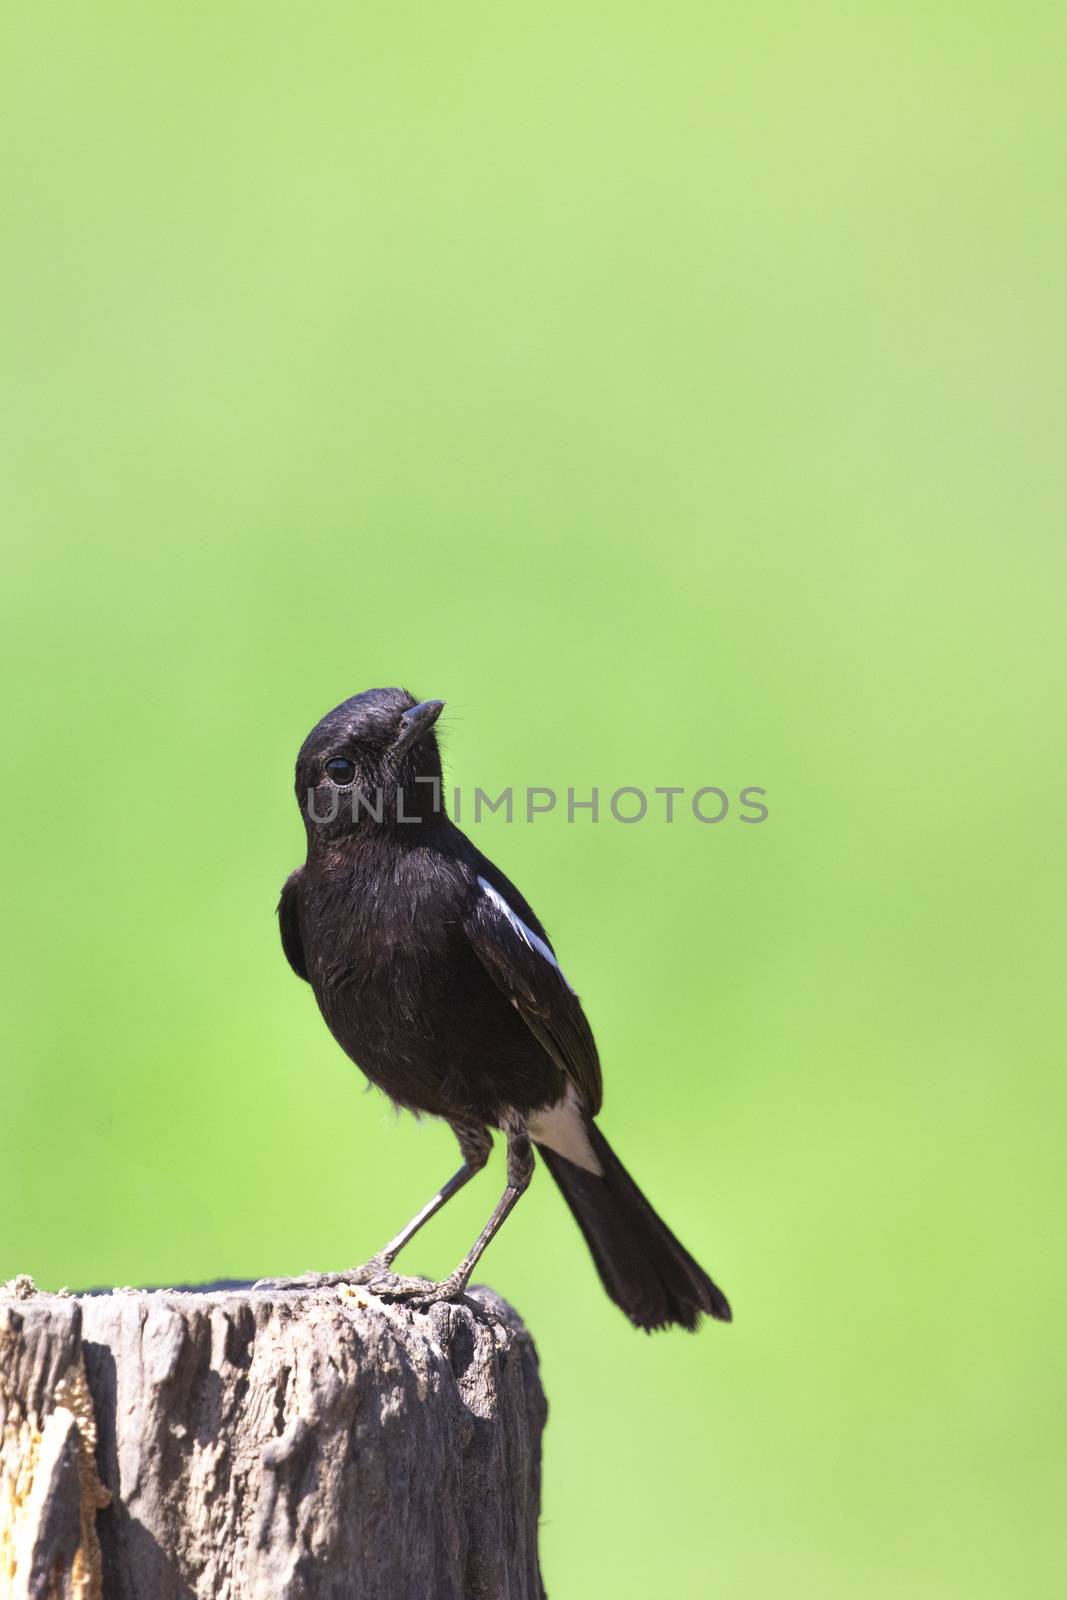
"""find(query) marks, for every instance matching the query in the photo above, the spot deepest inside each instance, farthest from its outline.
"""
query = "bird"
(435, 975)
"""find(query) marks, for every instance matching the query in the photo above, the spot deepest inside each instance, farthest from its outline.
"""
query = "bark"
(237, 1444)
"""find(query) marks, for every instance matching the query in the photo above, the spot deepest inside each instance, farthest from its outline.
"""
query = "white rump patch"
(562, 1128)
(526, 934)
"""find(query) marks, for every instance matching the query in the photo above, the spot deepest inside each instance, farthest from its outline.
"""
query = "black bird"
(436, 977)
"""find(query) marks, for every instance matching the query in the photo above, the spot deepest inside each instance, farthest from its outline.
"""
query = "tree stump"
(231, 1443)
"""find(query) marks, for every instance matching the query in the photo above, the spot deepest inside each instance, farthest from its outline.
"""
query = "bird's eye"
(340, 770)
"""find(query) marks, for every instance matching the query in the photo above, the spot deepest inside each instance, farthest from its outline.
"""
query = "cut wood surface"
(232, 1443)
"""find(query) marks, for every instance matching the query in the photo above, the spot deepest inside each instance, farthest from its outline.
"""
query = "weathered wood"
(246, 1444)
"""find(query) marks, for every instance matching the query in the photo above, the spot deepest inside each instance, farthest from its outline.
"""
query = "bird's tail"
(644, 1269)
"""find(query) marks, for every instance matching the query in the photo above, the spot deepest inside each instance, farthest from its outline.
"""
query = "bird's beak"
(414, 723)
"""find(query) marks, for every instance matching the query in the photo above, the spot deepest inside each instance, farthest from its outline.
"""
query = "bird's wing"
(289, 924)
(523, 964)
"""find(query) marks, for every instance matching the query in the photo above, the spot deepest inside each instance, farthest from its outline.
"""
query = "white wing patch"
(527, 935)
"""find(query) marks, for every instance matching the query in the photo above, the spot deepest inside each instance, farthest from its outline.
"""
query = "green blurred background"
(678, 392)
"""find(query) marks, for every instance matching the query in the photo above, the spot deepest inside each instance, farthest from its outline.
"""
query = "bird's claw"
(326, 1280)
(417, 1293)
(307, 1280)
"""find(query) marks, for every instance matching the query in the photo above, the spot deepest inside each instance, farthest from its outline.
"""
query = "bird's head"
(371, 762)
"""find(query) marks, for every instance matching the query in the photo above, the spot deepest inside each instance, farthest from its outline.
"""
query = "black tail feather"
(642, 1266)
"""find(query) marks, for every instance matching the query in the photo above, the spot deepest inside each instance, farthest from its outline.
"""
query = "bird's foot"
(375, 1276)
(418, 1293)
(306, 1280)
(374, 1268)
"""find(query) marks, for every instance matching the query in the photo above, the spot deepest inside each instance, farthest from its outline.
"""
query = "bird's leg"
(475, 1143)
(416, 1291)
